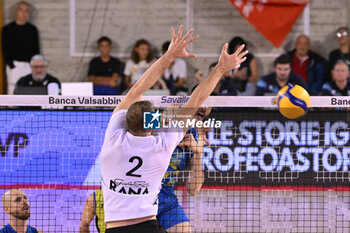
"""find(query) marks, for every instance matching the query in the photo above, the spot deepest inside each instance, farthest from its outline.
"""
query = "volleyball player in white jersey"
(133, 161)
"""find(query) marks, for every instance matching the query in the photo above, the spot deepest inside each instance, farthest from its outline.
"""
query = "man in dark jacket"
(270, 84)
(39, 82)
(340, 85)
(20, 42)
(308, 64)
(342, 52)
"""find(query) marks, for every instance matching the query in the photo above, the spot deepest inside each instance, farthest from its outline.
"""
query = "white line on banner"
(163, 101)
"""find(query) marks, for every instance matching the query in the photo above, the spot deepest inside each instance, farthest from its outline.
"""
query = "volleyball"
(293, 101)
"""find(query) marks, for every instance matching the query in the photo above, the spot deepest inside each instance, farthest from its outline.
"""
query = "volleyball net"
(263, 172)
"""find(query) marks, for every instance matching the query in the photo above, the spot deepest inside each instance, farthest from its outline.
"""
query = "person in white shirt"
(134, 159)
(140, 60)
(175, 74)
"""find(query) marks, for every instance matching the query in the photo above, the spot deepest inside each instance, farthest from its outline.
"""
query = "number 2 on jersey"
(138, 165)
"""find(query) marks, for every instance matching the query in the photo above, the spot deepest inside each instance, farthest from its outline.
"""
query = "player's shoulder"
(119, 113)
(31, 229)
(8, 229)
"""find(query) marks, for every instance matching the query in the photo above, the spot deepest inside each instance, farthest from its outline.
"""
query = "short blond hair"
(134, 116)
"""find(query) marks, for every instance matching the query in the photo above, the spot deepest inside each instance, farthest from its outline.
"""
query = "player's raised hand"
(177, 47)
(228, 62)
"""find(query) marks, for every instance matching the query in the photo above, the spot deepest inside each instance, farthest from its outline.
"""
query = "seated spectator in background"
(93, 207)
(308, 64)
(340, 85)
(175, 74)
(104, 71)
(16, 205)
(342, 53)
(198, 75)
(270, 84)
(246, 76)
(160, 85)
(226, 86)
(38, 82)
(20, 42)
(140, 60)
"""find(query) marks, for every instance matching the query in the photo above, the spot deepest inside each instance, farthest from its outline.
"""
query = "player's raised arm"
(226, 62)
(88, 215)
(177, 48)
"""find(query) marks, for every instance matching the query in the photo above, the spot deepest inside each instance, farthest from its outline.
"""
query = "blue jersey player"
(16, 205)
(186, 156)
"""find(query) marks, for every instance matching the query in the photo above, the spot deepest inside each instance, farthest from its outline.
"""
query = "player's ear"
(6, 209)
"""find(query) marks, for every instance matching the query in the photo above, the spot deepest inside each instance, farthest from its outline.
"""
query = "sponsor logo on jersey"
(129, 188)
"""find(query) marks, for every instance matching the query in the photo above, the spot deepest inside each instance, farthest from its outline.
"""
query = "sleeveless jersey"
(178, 161)
(132, 168)
(99, 211)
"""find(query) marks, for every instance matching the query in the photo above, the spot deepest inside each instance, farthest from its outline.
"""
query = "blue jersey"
(178, 161)
(170, 211)
(9, 229)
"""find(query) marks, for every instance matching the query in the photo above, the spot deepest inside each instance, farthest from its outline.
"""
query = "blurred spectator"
(246, 76)
(104, 71)
(270, 84)
(38, 82)
(175, 74)
(93, 207)
(342, 53)
(226, 86)
(198, 75)
(308, 64)
(20, 42)
(140, 60)
(340, 85)
(16, 205)
(160, 85)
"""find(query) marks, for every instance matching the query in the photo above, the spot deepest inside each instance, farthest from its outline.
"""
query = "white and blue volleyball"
(293, 101)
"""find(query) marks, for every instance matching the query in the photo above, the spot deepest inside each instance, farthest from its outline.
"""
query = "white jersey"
(132, 168)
